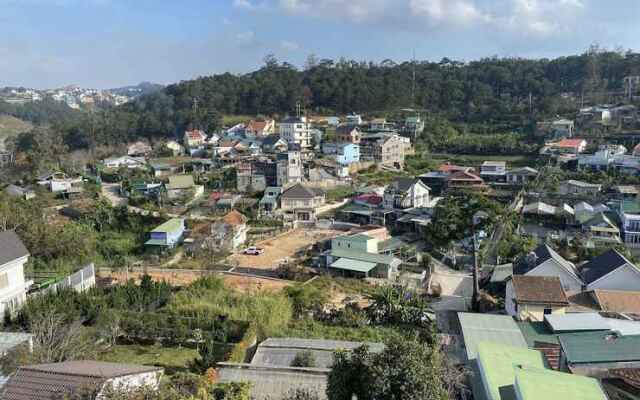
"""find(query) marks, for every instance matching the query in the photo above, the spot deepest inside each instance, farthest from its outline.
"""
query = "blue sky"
(108, 43)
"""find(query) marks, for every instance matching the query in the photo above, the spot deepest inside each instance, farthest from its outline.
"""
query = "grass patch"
(311, 329)
(231, 120)
(172, 359)
(12, 126)
(339, 193)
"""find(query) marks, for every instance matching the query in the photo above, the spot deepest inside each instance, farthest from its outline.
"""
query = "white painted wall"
(15, 292)
(624, 278)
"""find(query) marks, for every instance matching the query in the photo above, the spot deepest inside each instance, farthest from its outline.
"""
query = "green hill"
(11, 126)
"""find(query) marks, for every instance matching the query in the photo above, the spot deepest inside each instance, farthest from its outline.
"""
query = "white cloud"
(246, 37)
(289, 45)
(528, 17)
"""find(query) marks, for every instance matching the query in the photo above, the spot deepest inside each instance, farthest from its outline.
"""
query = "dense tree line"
(491, 95)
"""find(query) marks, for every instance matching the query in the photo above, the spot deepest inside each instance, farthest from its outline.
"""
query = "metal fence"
(78, 281)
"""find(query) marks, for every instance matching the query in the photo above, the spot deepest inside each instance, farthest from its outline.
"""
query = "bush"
(304, 359)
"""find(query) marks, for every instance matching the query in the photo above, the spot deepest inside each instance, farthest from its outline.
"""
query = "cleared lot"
(281, 247)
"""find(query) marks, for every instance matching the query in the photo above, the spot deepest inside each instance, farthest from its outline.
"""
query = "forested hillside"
(493, 95)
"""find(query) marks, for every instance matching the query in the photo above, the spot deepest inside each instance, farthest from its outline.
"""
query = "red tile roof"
(568, 143)
(370, 198)
(539, 290)
(453, 168)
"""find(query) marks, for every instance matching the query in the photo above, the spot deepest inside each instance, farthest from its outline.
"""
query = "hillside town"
(525, 270)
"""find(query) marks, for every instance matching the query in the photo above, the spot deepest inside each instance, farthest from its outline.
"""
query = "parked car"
(253, 251)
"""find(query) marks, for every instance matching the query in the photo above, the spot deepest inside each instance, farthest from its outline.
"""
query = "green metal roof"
(501, 273)
(363, 256)
(353, 265)
(171, 225)
(534, 384)
(358, 237)
(537, 332)
(498, 364)
(498, 329)
(600, 347)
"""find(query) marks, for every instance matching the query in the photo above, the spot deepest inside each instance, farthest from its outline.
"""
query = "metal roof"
(537, 332)
(497, 329)
(577, 322)
(353, 265)
(498, 365)
(363, 256)
(275, 383)
(535, 383)
(11, 247)
(600, 347)
(171, 225)
(501, 273)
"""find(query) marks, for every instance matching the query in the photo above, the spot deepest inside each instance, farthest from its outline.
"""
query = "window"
(547, 311)
(4, 281)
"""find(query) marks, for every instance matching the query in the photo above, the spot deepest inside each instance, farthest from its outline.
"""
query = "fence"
(78, 281)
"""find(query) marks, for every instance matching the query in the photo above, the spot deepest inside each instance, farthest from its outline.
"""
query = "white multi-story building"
(13, 257)
(296, 130)
(289, 168)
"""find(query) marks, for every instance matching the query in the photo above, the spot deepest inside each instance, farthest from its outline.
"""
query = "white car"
(253, 251)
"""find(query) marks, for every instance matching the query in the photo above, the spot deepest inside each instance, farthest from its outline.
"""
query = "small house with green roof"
(357, 256)
(169, 234)
(497, 368)
(535, 383)
(596, 353)
(358, 241)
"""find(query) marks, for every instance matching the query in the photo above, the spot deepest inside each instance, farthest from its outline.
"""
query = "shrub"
(305, 359)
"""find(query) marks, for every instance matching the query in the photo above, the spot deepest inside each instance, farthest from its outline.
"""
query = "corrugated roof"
(54, 381)
(501, 273)
(600, 347)
(353, 265)
(498, 364)
(171, 225)
(538, 290)
(536, 383)
(577, 322)
(617, 300)
(363, 256)
(11, 247)
(499, 329)
(537, 332)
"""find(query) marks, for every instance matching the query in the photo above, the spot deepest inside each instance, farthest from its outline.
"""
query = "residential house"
(544, 261)
(464, 180)
(6, 159)
(626, 192)
(183, 186)
(584, 211)
(609, 301)
(161, 169)
(610, 271)
(521, 176)
(606, 157)
(86, 379)
(599, 114)
(493, 171)
(406, 193)
(530, 298)
(270, 200)
(168, 234)
(557, 128)
(300, 203)
(194, 141)
(139, 149)
(263, 127)
(629, 212)
(230, 232)
(413, 126)
(250, 178)
(567, 146)
(289, 168)
(384, 149)
(357, 256)
(601, 230)
(575, 187)
(13, 257)
(124, 162)
(59, 182)
(24, 193)
(348, 134)
(333, 121)
(595, 353)
(380, 125)
(296, 130)
(175, 147)
(353, 119)
(488, 328)
(347, 154)
(274, 144)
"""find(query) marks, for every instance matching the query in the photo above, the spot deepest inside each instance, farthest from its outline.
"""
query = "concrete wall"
(14, 293)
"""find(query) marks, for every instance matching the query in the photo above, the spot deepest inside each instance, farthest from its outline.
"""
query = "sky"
(111, 43)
